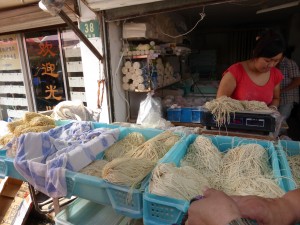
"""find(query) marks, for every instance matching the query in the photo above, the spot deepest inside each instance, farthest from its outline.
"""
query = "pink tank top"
(246, 89)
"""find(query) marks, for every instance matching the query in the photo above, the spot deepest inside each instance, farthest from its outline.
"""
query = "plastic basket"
(160, 210)
(82, 211)
(7, 167)
(174, 115)
(129, 202)
(287, 148)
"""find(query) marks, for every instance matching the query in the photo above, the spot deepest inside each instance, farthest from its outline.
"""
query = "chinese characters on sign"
(45, 62)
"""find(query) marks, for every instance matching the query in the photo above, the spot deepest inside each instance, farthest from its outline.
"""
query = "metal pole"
(78, 32)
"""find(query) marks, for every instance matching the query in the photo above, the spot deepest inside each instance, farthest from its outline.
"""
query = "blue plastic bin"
(160, 210)
(174, 115)
(287, 148)
(119, 195)
(82, 211)
(7, 167)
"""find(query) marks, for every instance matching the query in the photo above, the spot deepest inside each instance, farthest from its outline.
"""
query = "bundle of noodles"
(28, 116)
(127, 171)
(35, 129)
(130, 142)
(177, 182)
(6, 138)
(12, 125)
(95, 168)
(294, 162)
(41, 121)
(203, 155)
(244, 167)
(257, 185)
(222, 107)
(155, 148)
(254, 105)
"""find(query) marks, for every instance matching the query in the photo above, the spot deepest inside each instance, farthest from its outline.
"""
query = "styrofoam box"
(82, 211)
(160, 210)
(287, 148)
(126, 201)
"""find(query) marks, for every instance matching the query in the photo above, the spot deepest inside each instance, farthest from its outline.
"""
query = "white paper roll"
(131, 87)
(124, 70)
(136, 65)
(129, 76)
(135, 83)
(138, 72)
(125, 79)
(141, 87)
(140, 79)
(125, 86)
(131, 70)
(128, 64)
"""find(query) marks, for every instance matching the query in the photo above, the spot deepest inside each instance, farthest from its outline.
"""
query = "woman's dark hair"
(268, 44)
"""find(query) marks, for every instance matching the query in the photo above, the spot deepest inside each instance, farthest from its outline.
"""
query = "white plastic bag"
(150, 110)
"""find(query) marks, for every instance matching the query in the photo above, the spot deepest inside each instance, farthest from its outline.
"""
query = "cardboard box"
(15, 201)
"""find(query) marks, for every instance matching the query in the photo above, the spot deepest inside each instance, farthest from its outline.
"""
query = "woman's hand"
(216, 208)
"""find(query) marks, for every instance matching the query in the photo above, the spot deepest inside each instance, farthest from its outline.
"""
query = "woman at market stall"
(256, 78)
(217, 208)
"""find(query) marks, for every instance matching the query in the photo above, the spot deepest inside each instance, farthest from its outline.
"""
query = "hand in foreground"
(265, 211)
(216, 208)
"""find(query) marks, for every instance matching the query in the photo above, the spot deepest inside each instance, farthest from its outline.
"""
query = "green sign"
(90, 28)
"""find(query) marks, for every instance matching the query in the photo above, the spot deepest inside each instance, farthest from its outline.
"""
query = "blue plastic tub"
(7, 167)
(160, 210)
(184, 115)
(118, 195)
(82, 211)
(287, 148)
(174, 115)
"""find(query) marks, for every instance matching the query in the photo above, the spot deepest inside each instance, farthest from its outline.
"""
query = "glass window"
(46, 68)
(13, 101)
(73, 62)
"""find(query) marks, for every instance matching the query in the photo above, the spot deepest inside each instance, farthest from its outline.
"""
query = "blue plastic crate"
(184, 115)
(119, 195)
(82, 211)
(196, 115)
(287, 148)
(174, 115)
(7, 167)
(160, 210)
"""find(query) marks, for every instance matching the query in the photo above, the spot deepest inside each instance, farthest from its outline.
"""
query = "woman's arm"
(276, 96)
(227, 85)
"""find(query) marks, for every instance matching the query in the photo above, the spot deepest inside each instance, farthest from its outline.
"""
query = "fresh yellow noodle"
(177, 182)
(127, 171)
(222, 107)
(35, 129)
(41, 121)
(203, 155)
(294, 162)
(28, 116)
(12, 125)
(155, 148)
(128, 143)
(95, 168)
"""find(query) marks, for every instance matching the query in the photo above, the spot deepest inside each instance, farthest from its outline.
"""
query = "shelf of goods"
(124, 200)
(142, 73)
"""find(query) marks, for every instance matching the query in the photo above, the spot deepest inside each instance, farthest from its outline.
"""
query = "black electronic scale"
(252, 121)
